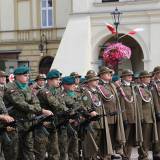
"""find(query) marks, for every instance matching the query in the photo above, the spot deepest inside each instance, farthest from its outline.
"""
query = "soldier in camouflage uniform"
(3, 111)
(51, 97)
(8, 148)
(7, 119)
(40, 81)
(24, 106)
(3, 76)
(73, 101)
(76, 76)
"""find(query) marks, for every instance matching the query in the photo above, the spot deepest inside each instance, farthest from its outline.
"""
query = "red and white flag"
(133, 32)
(136, 30)
(111, 28)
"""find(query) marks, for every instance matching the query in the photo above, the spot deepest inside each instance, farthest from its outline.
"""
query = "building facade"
(30, 32)
(80, 47)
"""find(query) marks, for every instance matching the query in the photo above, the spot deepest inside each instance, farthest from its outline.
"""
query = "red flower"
(115, 52)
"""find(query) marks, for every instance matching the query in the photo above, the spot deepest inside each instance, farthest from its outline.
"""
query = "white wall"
(74, 52)
(62, 12)
(24, 15)
(7, 15)
(155, 45)
(135, 15)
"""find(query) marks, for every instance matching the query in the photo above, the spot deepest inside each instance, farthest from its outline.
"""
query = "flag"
(111, 28)
(134, 31)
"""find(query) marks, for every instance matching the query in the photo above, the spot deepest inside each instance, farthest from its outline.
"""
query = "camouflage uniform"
(49, 100)
(8, 148)
(73, 101)
(2, 111)
(25, 105)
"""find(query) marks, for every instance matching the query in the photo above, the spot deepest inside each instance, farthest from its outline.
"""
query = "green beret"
(53, 74)
(82, 80)
(21, 70)
(136, 75)
(115, 78)
(68, 80)
(31, 82)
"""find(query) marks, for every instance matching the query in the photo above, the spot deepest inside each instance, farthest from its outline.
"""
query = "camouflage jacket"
(24, 103)
(3, 109)
(52, 98)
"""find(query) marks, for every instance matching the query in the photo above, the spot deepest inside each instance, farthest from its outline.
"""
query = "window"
(46, 13)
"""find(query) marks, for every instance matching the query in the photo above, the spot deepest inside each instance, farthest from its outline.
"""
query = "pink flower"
(115, 52)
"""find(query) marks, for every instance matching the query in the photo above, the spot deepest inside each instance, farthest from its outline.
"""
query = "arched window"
(47, 14)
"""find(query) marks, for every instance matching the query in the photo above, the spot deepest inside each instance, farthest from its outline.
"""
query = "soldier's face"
(106, 76)
(22, 78)
(146, 80)
(93, 83)
(157, 75)
(41, 82)
(77, 80)
(127, 78)
(2, 80)
(55, 82)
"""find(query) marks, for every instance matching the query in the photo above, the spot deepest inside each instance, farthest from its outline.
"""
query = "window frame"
(47, 9)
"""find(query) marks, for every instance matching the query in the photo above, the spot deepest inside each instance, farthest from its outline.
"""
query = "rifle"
(38, 121)
(85, 126)
(3, 129)
(65, 116)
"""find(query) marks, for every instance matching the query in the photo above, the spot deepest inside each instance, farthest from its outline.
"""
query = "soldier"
(40, 81)
(76, 76)
(7, 148)
(24, 106)
(51, 97)
(92, 101)
(3, 111)
(136, 79)
(112, 104)
(5, 118)
(31, 85)
(156, 100)
(149, 127)
(131, 114)
(73, 102)
(3, 76)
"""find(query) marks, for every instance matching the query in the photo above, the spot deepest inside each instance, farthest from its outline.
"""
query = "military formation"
(98, 117)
